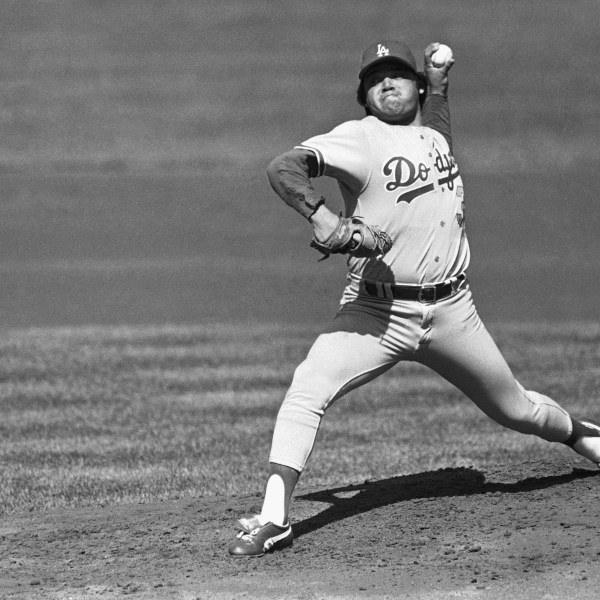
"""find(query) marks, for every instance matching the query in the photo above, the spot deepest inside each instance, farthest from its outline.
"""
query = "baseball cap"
(389, 50)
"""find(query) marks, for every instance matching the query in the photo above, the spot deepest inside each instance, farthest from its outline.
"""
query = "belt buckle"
(421, 297)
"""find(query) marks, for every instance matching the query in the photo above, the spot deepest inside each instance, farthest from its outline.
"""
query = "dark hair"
(361, 93)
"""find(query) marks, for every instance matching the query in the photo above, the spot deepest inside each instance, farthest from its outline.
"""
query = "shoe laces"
(248, 536)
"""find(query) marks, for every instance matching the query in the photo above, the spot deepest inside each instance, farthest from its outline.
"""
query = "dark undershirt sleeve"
(436, 114)
(289, 175)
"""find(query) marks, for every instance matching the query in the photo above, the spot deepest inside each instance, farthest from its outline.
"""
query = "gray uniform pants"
(370, 335)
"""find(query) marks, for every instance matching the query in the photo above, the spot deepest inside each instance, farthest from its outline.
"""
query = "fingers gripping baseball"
(438, 60)
(353, 236)
(439, 56)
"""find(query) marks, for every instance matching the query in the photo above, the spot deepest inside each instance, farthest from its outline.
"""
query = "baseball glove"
(372, 242)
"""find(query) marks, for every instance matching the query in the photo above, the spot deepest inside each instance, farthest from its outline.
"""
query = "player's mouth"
(390, 94)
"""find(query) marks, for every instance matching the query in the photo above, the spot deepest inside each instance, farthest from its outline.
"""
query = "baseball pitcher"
(407, 295)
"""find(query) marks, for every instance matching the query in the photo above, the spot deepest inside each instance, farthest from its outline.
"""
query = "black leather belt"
(423, 293)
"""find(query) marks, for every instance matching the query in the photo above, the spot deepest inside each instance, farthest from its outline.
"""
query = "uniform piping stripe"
(320, 159)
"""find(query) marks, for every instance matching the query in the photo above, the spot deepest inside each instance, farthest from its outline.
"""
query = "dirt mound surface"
(514, 531)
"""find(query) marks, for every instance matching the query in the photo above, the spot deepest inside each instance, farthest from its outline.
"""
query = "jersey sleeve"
(290, 174)
(436, 115)
(341, 154)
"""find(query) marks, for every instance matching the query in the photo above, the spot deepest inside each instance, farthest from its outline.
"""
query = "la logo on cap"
(382, 50)
(387, 50)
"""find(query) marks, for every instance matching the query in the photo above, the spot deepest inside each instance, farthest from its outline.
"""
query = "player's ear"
(361, 97)
(421, 86)
(360, 94)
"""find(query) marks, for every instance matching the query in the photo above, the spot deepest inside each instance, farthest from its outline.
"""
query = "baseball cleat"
(589, 445)
(254, 539)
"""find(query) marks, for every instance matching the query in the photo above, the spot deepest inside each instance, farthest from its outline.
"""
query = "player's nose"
(387, 83)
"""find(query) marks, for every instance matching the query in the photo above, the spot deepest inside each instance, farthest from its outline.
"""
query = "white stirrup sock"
(273, 508)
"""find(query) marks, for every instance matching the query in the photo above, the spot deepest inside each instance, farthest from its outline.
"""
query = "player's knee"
(308, 396)
(315, 381)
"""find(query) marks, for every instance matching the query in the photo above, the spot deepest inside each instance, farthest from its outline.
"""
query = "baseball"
(441, 56)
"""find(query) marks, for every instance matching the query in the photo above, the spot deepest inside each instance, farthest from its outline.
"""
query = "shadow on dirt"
(360, 498)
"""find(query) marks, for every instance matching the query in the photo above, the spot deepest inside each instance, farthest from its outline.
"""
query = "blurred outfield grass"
(221, 87)
(108, 415)
(135, 137)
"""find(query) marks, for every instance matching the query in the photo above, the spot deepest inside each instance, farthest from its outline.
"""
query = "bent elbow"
(274, 169)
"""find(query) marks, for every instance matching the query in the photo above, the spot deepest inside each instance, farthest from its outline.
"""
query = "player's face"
(391, 93)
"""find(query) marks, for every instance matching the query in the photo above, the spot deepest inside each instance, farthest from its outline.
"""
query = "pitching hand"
(437, 77)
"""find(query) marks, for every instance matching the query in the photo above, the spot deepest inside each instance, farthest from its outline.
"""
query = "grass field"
(156, 296)
(95, 416)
